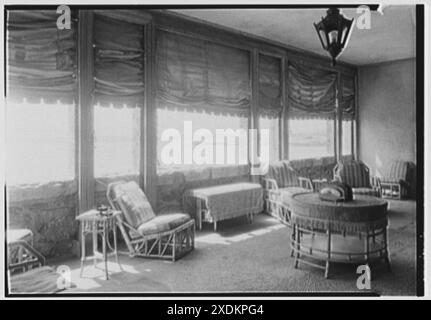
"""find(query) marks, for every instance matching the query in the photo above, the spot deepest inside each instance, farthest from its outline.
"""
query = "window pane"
(311, 138)
(40, 143)
(347, 137)
(273, 126)
(116, 141)
(196, 141)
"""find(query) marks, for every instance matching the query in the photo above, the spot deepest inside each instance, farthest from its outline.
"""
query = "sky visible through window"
(170, 119)
(347, 137)
(273, 125)
(40, 143)
(311, 138)
(116, 141)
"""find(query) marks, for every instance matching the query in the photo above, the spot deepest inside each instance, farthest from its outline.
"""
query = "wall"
(387, 114)
(49, 211)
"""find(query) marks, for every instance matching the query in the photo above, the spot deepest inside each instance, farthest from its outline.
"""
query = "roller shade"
(41, 58)
(198, 75)
(270, 104)
(311, 92)
(119, 62)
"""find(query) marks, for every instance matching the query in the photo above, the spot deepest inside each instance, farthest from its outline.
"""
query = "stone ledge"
(35, 192)
(312, 162)
(229, 171)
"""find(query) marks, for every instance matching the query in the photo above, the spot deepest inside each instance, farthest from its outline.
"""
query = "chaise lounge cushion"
(162, 223)
(134, 204)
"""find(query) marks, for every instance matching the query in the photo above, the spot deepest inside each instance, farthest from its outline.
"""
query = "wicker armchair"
(396, 183)
(280, 184)
(357, 175)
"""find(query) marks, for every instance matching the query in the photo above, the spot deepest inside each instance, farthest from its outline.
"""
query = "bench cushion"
(162, 223)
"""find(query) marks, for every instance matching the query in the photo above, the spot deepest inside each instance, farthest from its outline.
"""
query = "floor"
(242, 257)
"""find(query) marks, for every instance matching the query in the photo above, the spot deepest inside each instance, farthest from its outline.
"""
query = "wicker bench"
(226, 201)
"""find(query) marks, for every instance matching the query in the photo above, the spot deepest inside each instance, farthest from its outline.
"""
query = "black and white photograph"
(214, 150)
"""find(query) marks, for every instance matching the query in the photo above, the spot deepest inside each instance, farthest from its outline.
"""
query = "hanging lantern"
(333, 32)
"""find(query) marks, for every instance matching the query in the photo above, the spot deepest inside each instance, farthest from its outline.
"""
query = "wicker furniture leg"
(82, 250)
(250, 217)
(94, 243)
(298, 247)
(328, 232)
(399, 192)
(105, 253)
(367, 253)
(199, 213)
(293, 239)
(114, 230)
(386, 252)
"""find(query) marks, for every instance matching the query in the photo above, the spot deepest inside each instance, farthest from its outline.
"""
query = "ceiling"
(391, 36)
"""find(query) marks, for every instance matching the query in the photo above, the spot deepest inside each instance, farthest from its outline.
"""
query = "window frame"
(282, 123)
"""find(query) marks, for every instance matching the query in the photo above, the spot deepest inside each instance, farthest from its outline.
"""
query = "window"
(40, 143)
(273, 127)
(116, 141)
(311, 138)
(188, 139)
(347, 137)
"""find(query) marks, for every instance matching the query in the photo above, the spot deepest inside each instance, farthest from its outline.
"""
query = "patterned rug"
(40, 280)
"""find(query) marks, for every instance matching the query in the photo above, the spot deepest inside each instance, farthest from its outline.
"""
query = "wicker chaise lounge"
(166, 236)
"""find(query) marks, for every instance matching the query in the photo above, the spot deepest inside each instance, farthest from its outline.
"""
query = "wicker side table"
(99, 225)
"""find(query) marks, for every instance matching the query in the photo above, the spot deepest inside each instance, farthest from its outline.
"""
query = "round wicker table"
(347, 232)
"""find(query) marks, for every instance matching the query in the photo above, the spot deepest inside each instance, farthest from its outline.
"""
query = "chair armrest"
(270, 184)
(376, 185)
(305, 183)
(375, 182)
(337, 178)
